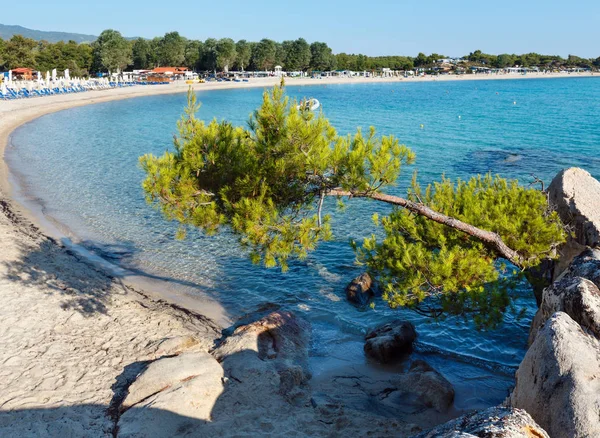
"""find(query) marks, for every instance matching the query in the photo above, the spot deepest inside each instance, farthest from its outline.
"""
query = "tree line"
(112, 52)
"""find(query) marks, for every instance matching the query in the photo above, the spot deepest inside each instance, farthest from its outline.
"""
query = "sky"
(372, 27)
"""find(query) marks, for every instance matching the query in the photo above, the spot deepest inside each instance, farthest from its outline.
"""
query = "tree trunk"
(490, 238)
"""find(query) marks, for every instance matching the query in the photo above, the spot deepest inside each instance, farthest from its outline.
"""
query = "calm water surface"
(81, 165)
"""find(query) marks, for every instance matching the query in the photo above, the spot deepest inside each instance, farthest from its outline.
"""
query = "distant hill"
(7, 31)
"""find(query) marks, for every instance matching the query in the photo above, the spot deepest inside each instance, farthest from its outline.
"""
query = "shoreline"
(16, 113)
(70, 331)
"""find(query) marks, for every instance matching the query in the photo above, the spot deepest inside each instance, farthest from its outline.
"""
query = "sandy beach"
(72, 334)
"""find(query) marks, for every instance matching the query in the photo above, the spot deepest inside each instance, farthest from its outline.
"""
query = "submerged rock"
(576, 194)
(360, 290)
(557, 382)
(433, 389)
(390, 341)
(497, 422)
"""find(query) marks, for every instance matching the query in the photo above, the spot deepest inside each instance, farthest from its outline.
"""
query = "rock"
(576, 196)
(274, 347)
(433, 389)
(496, 422)
(171, 394)
(390, 341)
(557, 382)
(360, 290)
(575, 293)
(176, 345)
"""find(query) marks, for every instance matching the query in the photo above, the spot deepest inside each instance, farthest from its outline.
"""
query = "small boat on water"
(311, 104)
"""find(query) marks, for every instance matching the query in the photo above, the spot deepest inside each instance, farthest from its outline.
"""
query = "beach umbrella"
(67, 77)
(10, 76)
(53, 74)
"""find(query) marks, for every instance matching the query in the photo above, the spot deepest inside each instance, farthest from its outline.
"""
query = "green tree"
(505, 60)
(208, 58)
(442, 247)
(141, 54)
(20, 52)
(171, 51)
(111, 52)
(321, 57)
(244, 52)
(421, 60)
(225, 54)
(2, 53)
(263, 55)
(297, 55)
(193, 51)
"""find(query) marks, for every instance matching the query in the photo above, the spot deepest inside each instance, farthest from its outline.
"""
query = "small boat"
(311, 104)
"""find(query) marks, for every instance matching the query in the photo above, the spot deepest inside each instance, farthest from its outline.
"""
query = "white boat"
(311, 104)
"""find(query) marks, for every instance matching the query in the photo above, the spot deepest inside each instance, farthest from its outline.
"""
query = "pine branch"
(490, 238)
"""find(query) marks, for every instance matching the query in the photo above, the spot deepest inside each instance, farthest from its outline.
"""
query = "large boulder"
(558, 381)
(575, 293)
(390, 341)
(272, 350)
(496, 422)
(360, 290)
(577, 297)
(172, 395)
(433, 389)
(576, 196)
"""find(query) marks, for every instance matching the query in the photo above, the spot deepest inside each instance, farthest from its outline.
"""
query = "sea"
(80, 167)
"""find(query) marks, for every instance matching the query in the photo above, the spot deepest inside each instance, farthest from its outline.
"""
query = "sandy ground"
(69, 332)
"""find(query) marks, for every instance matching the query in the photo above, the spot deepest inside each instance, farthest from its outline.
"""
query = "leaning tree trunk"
(493, 240)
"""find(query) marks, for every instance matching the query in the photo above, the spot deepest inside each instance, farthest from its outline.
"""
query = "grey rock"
(575, 293)
(360, 290)
(576, 196)
(390, 341)
(171, 394)
(273, 350)
(557, 383)
(433, 389)
(496, 422)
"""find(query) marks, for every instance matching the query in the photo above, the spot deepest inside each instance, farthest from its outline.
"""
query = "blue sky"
(373, 27)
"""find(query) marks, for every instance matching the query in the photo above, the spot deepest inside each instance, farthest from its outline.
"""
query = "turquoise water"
(81, 166)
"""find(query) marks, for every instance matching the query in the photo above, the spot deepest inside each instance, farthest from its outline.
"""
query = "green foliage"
(226, 54)
(112, 52)
(141, 53)
(266, 183)
(437, 270)
(263, 55)
(322, 57)
(244, 51)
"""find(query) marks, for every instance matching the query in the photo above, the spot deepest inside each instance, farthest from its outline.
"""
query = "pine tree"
(445, 250)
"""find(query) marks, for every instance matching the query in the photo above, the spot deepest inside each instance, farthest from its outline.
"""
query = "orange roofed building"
(22, 73)
(171, 70)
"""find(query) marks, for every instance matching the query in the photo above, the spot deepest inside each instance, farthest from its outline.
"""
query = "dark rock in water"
(497, 422)
(557, 382)
(576, 196)
(360, 290)
(433, 389)
(390, 341)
